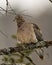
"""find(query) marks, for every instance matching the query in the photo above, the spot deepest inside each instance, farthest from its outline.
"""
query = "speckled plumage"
(26, 34)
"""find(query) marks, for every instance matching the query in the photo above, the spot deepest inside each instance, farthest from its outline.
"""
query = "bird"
(28, 32)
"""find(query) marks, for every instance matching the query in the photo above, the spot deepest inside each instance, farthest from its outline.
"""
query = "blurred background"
(41, 12)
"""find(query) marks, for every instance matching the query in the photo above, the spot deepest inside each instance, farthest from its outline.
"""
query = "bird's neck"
(20, 24)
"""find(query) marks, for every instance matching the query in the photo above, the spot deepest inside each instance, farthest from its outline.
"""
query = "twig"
(3, 33)
(6, 10)
(50, 1)
(2, 9)
(7, 64)
(8, 4)
(27, 58)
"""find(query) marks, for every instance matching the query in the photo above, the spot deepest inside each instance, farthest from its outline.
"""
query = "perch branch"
(24, 47)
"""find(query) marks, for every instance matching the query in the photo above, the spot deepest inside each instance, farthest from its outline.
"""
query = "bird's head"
(20, 20)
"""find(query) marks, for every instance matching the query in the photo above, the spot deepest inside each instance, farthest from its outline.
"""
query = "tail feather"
(40, 53)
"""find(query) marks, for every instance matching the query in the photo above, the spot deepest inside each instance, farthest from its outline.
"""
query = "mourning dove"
(28, 32)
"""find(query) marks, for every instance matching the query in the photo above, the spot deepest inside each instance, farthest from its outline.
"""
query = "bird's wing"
(38, 32)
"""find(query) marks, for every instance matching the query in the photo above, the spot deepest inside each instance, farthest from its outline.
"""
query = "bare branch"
(24, 47)
(8, 64)
(2, 9)
(3, 33)
(27, 58)
(8, 4)
(50, 1)
(11, 11)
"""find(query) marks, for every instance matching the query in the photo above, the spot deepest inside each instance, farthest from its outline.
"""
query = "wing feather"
(39, 38)
(37, 32)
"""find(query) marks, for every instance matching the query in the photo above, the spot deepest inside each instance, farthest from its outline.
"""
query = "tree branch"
(24, 47)
(50, 1)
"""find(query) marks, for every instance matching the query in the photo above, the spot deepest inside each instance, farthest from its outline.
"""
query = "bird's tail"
(40, 53)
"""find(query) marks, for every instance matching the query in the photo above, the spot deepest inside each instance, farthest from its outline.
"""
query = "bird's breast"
(26, 34)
